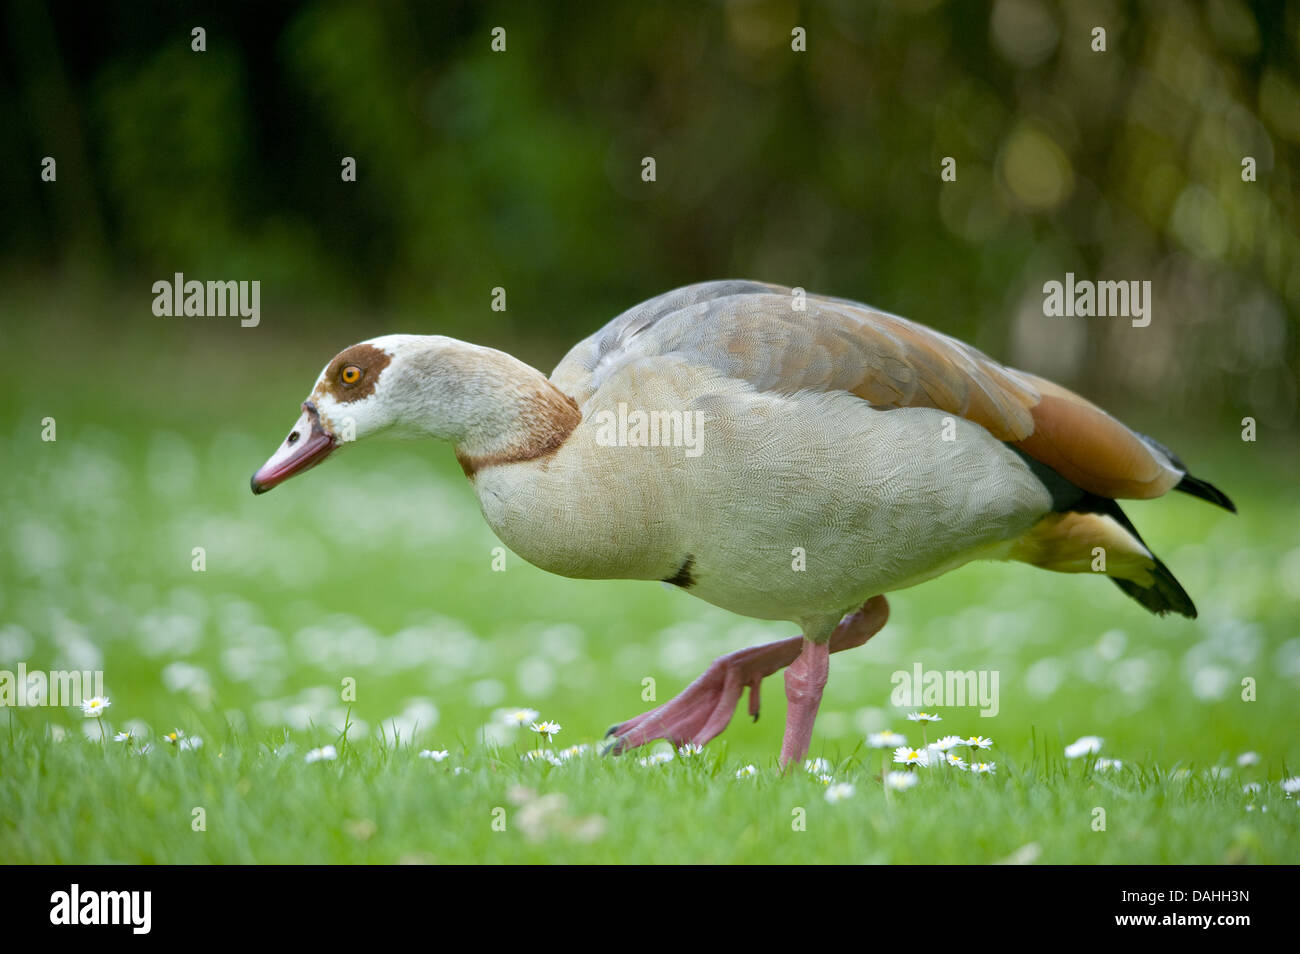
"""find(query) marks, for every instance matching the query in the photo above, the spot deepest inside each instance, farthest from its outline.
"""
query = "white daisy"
(1291, 785)
(923, 717)
(573, 751)
(517, 717)
(657, 758)
(817, 766)
(689, 749)
(547, 729)
(905, 756)
(825, 779)
(947, 742)
(546, 755)
(747, 771)
(124, 737)
(886, 740)
(1084, 745)
(1252, 788)
(94, 708)
(978, 742)
(837, 793)
(900, 780)
(955, 760)
(436, 754)
(325, 753)
(1107, 765)
(174, 736)
(983, 768)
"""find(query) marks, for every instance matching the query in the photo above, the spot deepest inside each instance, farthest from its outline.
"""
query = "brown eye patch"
(354, 372)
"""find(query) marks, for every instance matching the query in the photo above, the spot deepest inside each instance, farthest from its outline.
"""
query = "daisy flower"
(905, 756)
(658, 758)
(1291, 785)
(955, 760)
(689, 749)
(1107, 765)
(547, 729)
(947, 742)
(1084, 745)
(124, 737)
(573, 751)
(983, 768)
(978, 742)
(436, 754)
(544, 754)
(923, 717)
(900, 780)
(325, 753)
(886, 740)
(518, 717)
(837, 793)
(1252, 788)
(817, 765)
(747, 771)
(94, 708)
(825, 779)
(174, 736)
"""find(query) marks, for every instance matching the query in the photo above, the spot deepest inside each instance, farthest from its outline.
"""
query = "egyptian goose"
(783, 456)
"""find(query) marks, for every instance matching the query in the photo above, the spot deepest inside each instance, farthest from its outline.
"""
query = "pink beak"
(306, 446)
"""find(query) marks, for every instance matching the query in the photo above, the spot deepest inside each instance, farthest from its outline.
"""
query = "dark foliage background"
(821, 169)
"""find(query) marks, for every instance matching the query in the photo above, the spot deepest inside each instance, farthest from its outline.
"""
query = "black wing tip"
(1206, 491)
(1165, 595)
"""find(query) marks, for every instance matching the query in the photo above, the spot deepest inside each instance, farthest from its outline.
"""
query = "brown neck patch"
(546, 419)
(369, 359)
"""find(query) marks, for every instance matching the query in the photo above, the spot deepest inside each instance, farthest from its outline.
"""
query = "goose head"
(483, 401)
(359, 393)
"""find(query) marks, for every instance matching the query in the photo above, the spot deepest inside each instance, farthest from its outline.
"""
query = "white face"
(354, 397)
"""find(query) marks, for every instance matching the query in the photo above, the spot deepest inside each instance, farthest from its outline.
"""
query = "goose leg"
(804, 682)
(703, 709)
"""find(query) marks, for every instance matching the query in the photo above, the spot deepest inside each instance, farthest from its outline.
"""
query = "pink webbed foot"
(700, 712)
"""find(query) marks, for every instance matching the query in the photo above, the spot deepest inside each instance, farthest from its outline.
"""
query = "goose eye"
(351, 374)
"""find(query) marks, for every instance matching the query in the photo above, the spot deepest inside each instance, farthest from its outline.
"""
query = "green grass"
(376, 803)
(377, 568)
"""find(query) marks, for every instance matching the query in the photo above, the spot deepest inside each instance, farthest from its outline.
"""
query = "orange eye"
(351, 374)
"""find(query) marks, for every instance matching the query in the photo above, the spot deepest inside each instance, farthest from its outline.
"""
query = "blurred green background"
(522, 169)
